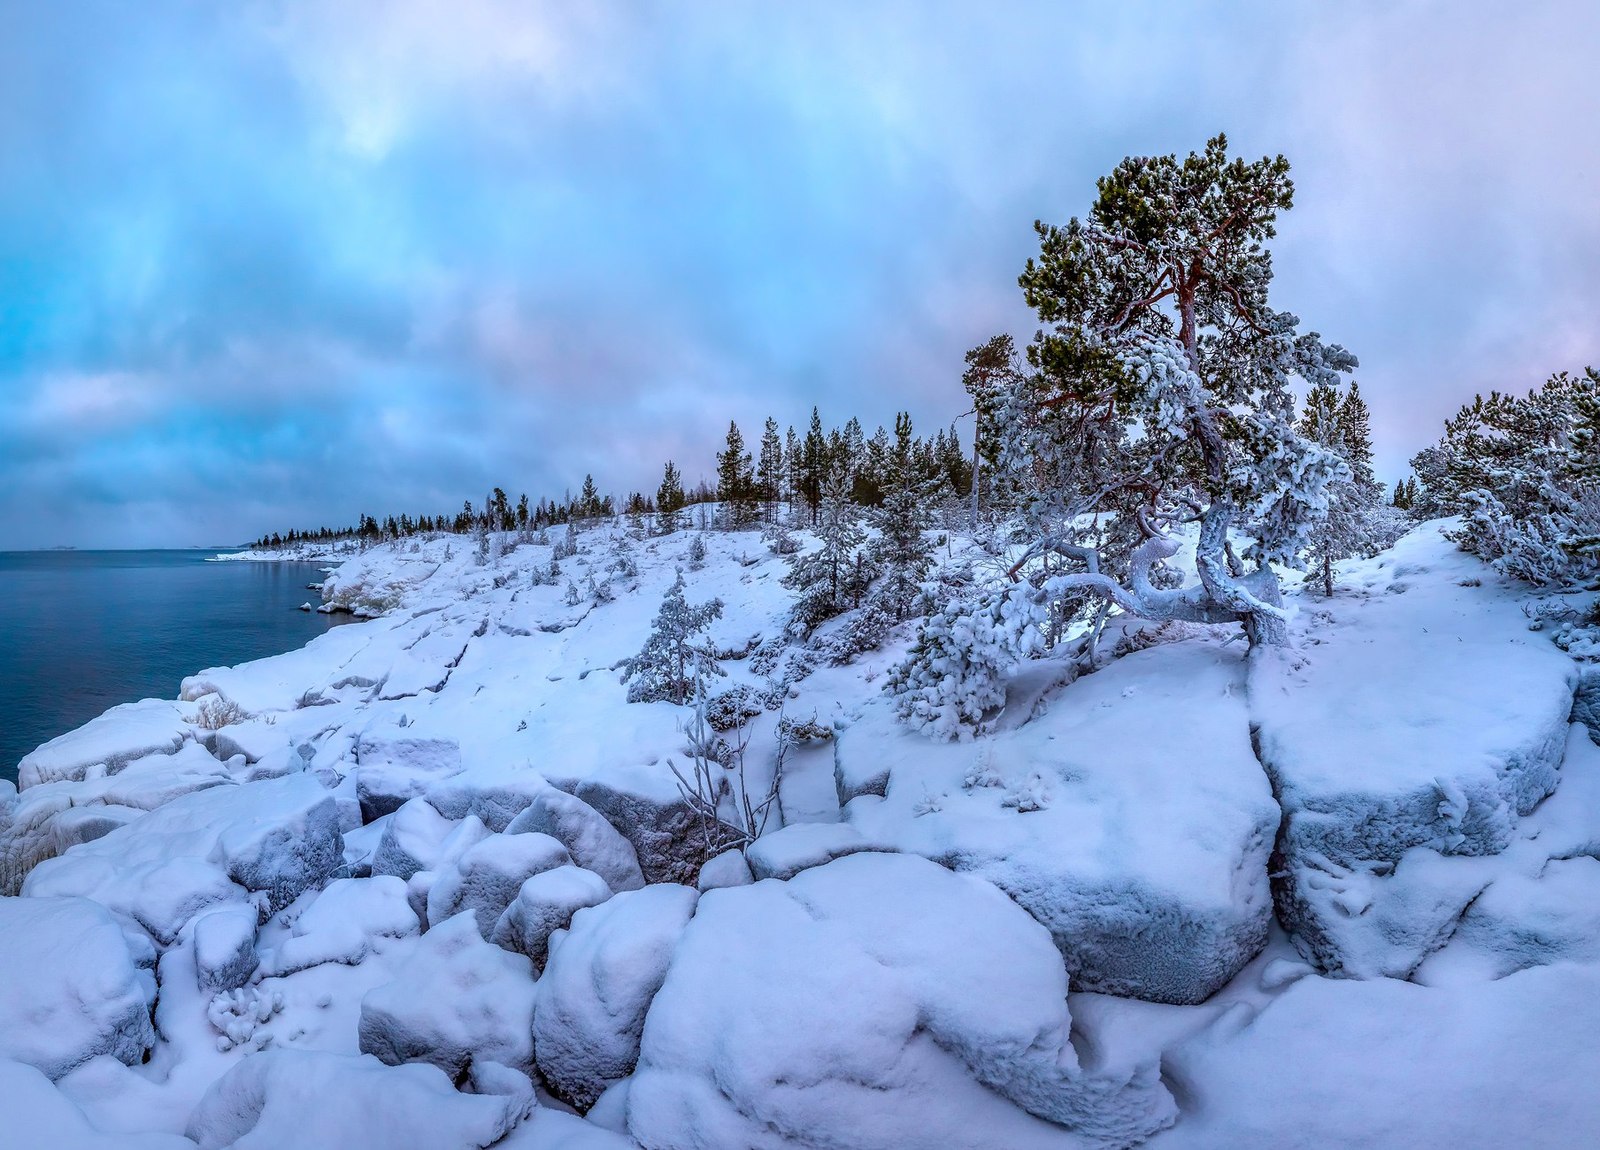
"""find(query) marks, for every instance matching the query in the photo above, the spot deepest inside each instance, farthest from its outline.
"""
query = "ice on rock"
(70, 990)
(485, 878)
(36, 1114)
(785, 853)
(1432, 719)
(413, 838)
(1130, 817)
(278, 837)
(879, 1001)
(319, 1101)
(390, 770)
(593, 843)
(545, 903)
(114, 739)
(225, 947)
(344, 923)
(598, 985)
(456, 999)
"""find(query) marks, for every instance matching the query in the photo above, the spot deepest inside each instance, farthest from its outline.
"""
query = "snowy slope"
(406, 861)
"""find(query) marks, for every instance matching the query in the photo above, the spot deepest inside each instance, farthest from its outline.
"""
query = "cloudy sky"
(278, 263)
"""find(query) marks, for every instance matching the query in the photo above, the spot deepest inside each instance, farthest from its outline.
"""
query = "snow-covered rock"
(36, 1114)
(1384, 1063)
(546, 903)
(1421, 713)
(895, 1030)
(644, 804)
(391, 770)
(225, 947)
(413, 838)
(785, 853)
(70, 989)
(598, 985)
(485, 878)
(344, 923)
(114, 739)
(456, 1000)
(593, 843)
(1130, 817)
(277, 837)
(320, 1101)
(727, 869)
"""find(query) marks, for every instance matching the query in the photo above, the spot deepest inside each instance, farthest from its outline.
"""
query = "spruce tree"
(813, 466)
(769, 470)
(831, 579)
(670, 499)
(1350, 525)
(736, 481)
(902, 549)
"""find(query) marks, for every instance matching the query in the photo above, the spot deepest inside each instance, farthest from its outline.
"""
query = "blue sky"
(280, 263)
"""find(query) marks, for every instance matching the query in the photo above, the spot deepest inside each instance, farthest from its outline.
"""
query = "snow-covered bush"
(667, 666)
(954, 674)
(733, 707)
(865, 630)
(217, 712)
(697, 551)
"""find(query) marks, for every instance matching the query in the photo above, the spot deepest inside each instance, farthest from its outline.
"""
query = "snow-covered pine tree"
(902, 550)
(665, 667)
(1347, 528)
(831, 579)
(1159, 394)
(1523, 475)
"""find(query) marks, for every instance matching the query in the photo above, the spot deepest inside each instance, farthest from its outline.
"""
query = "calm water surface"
(81, 631)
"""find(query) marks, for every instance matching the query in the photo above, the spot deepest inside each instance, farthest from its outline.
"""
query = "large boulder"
(546, 903)
(225, 948)
(39, 1115)
(917, 1007)
(347, 921)
(71, 989)
(456, 1000)
(1420, 715)
(598, 985)
(1129, 816)
(277, 838)
(412, 840)
(644, 804)
(317, 1101)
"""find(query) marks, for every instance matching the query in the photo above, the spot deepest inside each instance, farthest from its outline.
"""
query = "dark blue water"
(81, 631)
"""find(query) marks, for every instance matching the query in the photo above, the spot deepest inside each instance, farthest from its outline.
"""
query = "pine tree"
(589, 503)
(813, 466)
(831, 579)
(670, 499)
(1350, 525)
(769, 470)
(736, 481)
(902, 549)
(667, 665)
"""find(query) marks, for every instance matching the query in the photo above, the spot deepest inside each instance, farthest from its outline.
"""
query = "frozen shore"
(432, 881)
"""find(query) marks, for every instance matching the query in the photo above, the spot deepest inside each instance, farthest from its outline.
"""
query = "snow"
(896, 1033)
(343, 923)
(71, 990)
(319, 1101)
(456, 1000)
(785, 853)
(391, 770)
(225, 947)
(600, 980)
(37, 1114)
(486, 877)
(593, 842)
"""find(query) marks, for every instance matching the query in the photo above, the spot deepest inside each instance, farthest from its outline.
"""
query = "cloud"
(287, 262)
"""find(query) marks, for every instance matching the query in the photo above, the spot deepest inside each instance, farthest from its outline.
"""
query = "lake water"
(81, 631)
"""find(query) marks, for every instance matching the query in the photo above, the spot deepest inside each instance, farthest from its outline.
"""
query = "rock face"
(1463, 719)
(456, 1000)
(545, 904)
(1130, 818)
(71, 990)
(316, 1101)
(599, 983)
(278, 838)
(895, 1032)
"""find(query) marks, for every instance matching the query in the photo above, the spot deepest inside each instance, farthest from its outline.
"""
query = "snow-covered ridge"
(436, 861)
